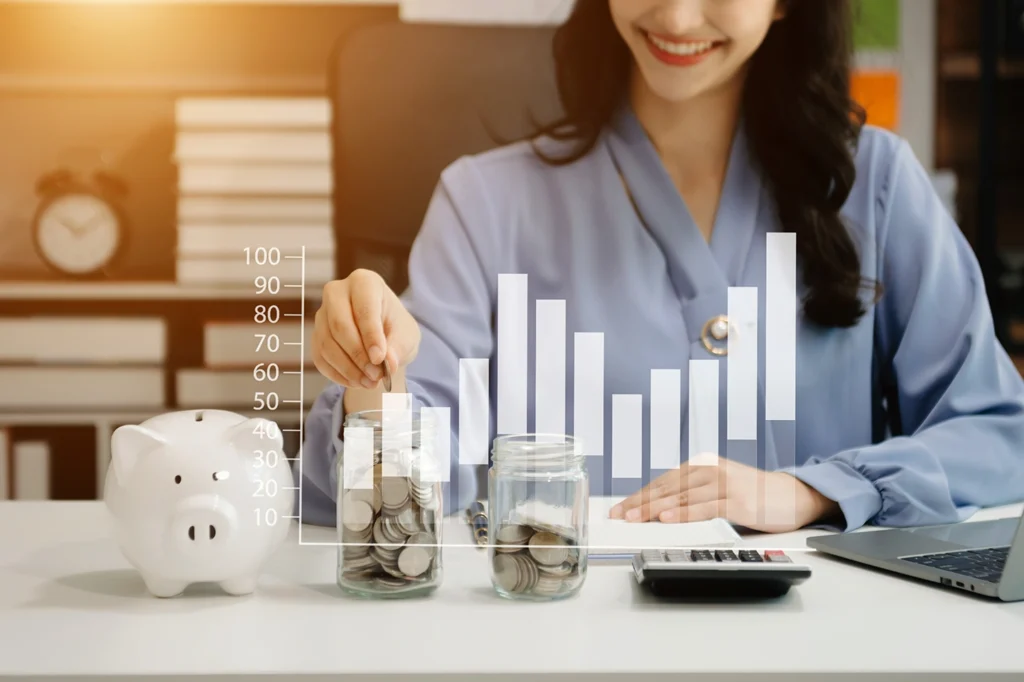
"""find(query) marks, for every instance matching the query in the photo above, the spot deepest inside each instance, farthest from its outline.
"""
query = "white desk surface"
(71, 607)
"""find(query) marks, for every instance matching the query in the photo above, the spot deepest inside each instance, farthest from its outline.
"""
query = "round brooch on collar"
(715, 335)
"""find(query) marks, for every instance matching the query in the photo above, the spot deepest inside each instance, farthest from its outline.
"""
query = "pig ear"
(256, 434)
(128, 444)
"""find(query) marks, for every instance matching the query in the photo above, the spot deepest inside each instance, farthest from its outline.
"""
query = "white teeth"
(682, 49)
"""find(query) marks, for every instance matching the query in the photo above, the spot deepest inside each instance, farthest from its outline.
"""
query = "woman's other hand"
(773, 502)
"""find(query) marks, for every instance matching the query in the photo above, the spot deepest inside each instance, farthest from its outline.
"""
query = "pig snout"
(203, 521)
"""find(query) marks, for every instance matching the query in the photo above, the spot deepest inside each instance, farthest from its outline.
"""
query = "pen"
(478, 520)
(610, 558)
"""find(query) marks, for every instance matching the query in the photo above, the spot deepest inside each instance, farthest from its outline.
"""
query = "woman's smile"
(676, 52)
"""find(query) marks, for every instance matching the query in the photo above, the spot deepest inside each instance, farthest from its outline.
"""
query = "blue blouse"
(648, 280)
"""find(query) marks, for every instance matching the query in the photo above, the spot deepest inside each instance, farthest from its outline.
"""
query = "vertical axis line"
(302, 370)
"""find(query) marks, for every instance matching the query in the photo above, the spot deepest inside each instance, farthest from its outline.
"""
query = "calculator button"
(777, 556)
(726, 555)
(701, 555)
(750, 555)
(678, 555)
(652, 555)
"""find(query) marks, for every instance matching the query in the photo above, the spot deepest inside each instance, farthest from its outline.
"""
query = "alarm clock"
(79, 229)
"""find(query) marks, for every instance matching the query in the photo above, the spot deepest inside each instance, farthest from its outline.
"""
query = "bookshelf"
(979, 103)
(146, 291)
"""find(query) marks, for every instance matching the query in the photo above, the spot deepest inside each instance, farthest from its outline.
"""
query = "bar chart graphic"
(666, 420)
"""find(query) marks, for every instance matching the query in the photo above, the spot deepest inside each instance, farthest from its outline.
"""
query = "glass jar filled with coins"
(538, 501)
(390, 506)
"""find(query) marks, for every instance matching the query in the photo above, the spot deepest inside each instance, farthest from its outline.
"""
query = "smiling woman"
(692, 71)
(711, 174)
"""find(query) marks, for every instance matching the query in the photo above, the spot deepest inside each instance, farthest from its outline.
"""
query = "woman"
(693, 129)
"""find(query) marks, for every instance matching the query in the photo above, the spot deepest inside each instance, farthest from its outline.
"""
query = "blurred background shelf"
(968, 66)
(142, 291)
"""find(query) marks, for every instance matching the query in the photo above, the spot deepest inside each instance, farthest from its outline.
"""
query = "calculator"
(718, 573)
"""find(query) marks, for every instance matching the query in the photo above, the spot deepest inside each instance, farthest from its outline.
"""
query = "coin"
(413, 561)
(358, 515)
(532, 560)
(387, 375)
(548, 549)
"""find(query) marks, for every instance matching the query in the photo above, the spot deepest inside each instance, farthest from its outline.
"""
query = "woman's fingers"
(367, 299)
(666, 486)
(332, 357)
(694, 497)
(703, 511)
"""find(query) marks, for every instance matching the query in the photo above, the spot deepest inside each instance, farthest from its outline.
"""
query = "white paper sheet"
(612, 536)
(516, 12)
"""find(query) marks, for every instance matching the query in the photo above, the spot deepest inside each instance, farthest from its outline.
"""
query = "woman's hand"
(359, 324)
(772, 502)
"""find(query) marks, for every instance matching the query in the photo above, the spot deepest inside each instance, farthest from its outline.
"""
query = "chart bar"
(780, 327)
(781, 508)
(703, 413)
(588, 392)
(666, 418)
(437, 422)
(549, 403)
(741, 374)
(474, 411)
(627, 436)
(357, 458)
(396, 433)
(513, 328)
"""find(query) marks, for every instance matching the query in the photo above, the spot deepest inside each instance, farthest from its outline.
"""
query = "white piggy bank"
(199, 496)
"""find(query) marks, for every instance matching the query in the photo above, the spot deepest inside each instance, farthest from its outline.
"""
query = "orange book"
(879, 93)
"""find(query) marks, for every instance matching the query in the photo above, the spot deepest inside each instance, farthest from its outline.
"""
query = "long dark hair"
(801, 122)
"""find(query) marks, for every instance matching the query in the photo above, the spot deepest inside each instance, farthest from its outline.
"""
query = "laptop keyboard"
(979, 564)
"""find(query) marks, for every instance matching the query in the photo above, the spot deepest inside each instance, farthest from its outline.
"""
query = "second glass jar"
(538, 501)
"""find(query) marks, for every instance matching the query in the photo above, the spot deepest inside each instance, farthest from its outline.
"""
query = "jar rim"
(538, 446)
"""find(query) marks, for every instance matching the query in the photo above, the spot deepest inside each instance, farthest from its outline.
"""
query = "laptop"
(982, 557)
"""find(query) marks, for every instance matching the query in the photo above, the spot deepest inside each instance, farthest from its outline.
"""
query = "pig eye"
(177, 479)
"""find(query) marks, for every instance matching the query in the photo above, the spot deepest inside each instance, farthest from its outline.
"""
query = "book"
(252, 210)
(248, 390)
(253, 112)
(219, 239)
(93, 388)
(74, 339)
(234, 271)
(227, 177)
(31, 468)
(236, 345)
(495, 12)
(253, 145)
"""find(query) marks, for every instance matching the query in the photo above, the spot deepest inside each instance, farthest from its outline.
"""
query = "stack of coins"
(535, 559)
(390, 532)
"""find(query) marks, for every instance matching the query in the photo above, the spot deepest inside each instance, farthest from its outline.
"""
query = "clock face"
(78, 233)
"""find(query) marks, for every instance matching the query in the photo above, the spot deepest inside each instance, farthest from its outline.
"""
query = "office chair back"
(409, 99)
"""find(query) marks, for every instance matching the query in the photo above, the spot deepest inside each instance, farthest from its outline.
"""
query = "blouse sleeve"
(960, 400)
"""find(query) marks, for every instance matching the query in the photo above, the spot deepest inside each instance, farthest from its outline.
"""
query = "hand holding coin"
(363, 335)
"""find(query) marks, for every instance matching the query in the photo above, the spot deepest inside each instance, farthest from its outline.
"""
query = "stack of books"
(255, 182)
(64, 368)
(248, 366)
